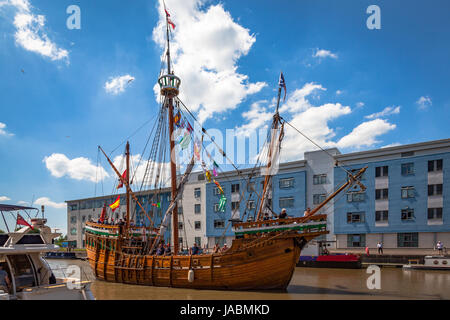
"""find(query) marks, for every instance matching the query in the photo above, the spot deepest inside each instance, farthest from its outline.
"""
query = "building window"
(219, 224)
(235, 205)
(197, 192)
(73, 207)
(408, 192)
(408, 240)
(320, 179)
(381, 216)
(434, 213)
(407, 168)
(381, 194)
(180, 225)
(319, 198)
(355, 217)
(356, 240)
(251, 204)
(73, 231)
(217, 191)
(251, 187)
(201, 177)
(286, 183)
(198, 241)
(355, 196)
(235, 188)
(216, 207)
(197, 208)
(407, 214)
(434, 189)
(381, 171)
(435, 165)
(180, 209)
(287, 202)
(73, 219)
(197, 225)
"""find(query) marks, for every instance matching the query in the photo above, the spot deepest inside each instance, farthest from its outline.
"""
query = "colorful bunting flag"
(197, 148)
(208, 175)
(189, 127)
(218, 186)
(222, 203)
(177, 118)
(158, 204)
(184, 143)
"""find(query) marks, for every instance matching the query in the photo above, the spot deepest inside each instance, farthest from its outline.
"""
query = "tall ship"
(265, 249)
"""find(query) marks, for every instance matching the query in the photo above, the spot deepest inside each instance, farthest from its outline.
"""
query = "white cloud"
(360, 104)
(23, 203)
(48, 203)
(4, 198)
(386, 112)
(395, 144)
(365, 134)
(138, 171)
(314, 122)
(206, 45)
(339, 92)
(324, 54)
(255, 118)
(117, 85)
(3, 132)
(30, 31)
(79, 168)
(424, 102)
(297, 100)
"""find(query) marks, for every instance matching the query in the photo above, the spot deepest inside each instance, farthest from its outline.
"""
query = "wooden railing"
(276, 222)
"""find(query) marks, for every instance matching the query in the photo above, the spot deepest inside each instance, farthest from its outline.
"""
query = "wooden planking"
(267, 265)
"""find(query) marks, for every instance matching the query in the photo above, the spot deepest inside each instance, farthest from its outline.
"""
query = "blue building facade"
(407, 200)
(288, 191)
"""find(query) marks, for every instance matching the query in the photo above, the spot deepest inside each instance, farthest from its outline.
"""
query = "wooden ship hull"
(266, 262)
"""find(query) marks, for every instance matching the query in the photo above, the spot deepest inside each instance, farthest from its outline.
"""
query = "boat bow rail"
(302, 225)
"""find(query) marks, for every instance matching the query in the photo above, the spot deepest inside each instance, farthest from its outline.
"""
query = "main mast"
(169, 85)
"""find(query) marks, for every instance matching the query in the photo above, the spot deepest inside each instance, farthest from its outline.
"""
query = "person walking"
(440, 247)
(380, 247)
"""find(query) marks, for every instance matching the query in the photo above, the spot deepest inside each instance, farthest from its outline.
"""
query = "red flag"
(171, 23)
(168, 19)
(103, 215)
(124, 175)
(22, 221)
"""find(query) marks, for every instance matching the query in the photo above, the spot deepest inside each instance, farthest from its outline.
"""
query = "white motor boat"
(28, 276)
(431, 263)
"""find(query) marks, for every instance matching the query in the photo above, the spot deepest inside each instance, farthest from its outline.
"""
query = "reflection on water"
(307, 283)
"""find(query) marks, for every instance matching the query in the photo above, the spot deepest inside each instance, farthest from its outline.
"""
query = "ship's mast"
(169, 84)
(127, 177)
(268, 177)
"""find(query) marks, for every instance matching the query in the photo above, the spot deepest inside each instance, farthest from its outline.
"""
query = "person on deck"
(194, 249)
(225, 247)
(5, 283)
(167, 251)
(160, 251)
(266, 216)
(283, 214)
(216, 248)
(307, 212)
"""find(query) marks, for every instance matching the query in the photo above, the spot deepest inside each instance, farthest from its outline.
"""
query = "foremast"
(273, 151)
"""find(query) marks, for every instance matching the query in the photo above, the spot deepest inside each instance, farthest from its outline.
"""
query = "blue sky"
(348, 86)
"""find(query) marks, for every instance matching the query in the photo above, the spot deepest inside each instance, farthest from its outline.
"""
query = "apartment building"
(406, 203)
